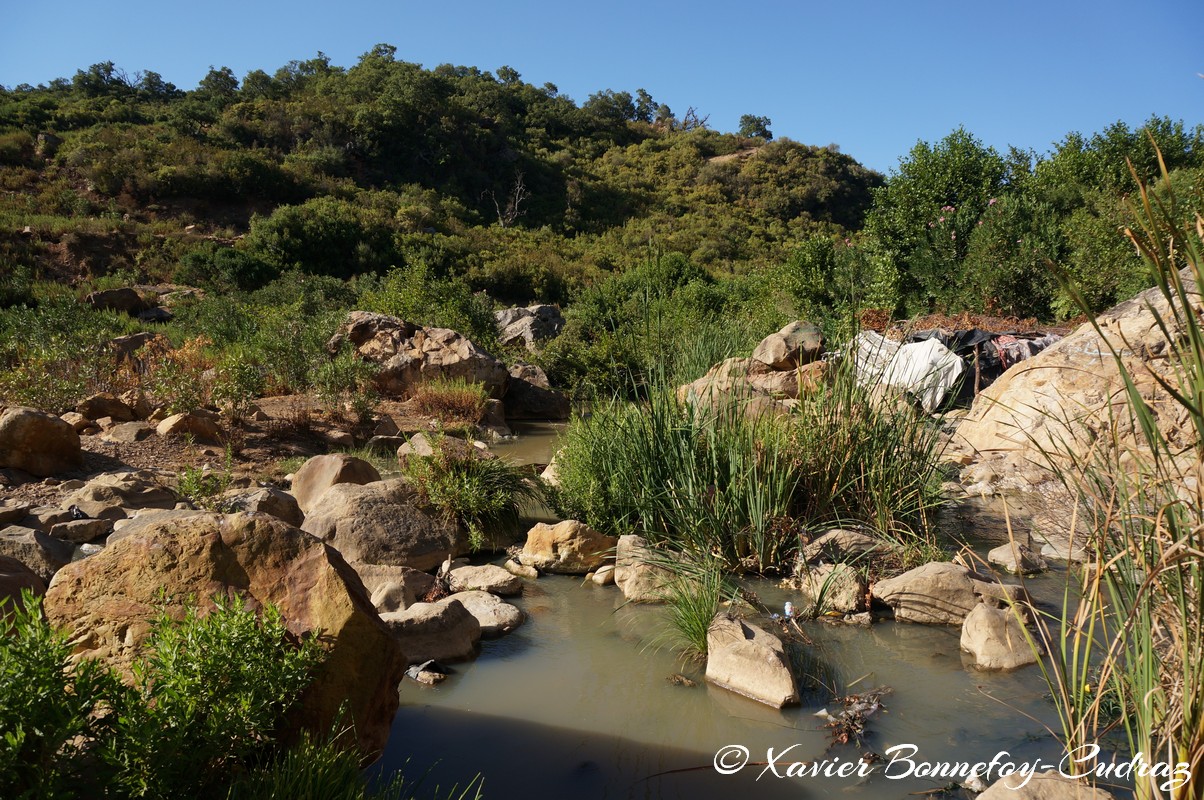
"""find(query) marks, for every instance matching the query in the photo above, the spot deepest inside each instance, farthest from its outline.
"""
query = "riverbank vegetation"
(1128, 664)
(205, 716)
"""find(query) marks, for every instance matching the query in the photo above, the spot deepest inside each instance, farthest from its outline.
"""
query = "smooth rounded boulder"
(321, 472)
(38, 443)
(107, 602)
(385, 523)
(569, 547)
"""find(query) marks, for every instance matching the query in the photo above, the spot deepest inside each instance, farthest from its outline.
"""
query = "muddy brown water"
(577, 703)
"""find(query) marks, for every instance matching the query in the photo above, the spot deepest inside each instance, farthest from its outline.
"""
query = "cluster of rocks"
(528, 326)
(782, 365)
(345, 555)
(408, 355)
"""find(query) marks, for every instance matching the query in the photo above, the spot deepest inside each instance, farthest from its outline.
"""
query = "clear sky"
(873, 76)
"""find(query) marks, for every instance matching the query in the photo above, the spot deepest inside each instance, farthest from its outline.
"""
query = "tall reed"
(1142, 615)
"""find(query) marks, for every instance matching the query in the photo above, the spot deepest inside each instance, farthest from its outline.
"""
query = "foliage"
(413, 294)
(693, 596)
(50, 710)
(454, 402)
(1136, 637)
(482, 493)
(743, 489)
(208, 697)
(346, 384)
(702, 482)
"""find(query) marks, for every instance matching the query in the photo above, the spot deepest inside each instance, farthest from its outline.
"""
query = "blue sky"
(871, 76)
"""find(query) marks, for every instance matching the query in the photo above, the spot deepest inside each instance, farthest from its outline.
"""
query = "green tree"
(924, 215)
(755, 127)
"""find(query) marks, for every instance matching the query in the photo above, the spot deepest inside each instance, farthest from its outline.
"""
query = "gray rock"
(444, 631)
(267, 500)
(1049, 785)
(322, 472)
(393, 588)
(939, 593)
(838, 588)
(108, 496)
(39, 551)
(15, 576)
(746, 659)
(996, 639)
(125, 300)
(638, 578)
(794, 345)
(605, 576)
(487, 578)
(494, 616)
(128, 432)
(200, 425)
(82, 531)
(843, 546)
(522, 571)
(1017, 558)
(384, 523)
(105, 405)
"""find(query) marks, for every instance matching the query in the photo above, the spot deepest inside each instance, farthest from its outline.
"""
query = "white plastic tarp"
(927, 369)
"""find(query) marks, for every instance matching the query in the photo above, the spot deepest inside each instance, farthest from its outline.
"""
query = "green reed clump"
(745, 485)
(1135, 639)
(865, 456)
(703, 481)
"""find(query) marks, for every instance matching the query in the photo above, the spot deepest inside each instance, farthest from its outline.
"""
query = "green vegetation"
(455, 403)
(745, 487)
(202, 717)
(1130, 653)
(483, 493)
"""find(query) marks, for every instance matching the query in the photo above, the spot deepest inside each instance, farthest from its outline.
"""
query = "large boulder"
(267, 500)
(1062, 401)
(638, 577)
(319, 473)
(443, 631)
(408, 355)
(940, 593)
(393, 588)
(114, 495)
(530, 396)
(124, 300)
(202, 425)
(996, 639)
(831, 588)
(486, 578)
(108, 601)
(38, 443)
(750, 661)
(103, 405)
(494, 615)
(385, 523)
(796, 344)
(569, 547)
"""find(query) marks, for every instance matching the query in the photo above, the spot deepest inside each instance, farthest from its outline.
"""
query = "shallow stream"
(577, 703)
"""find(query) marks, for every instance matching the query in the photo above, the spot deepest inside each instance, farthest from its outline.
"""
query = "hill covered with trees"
(437, 193)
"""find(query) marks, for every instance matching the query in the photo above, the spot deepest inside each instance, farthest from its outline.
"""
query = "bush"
(50, 711)
(480, 492)
(323, 236)
(208, 698)
(455, 402)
